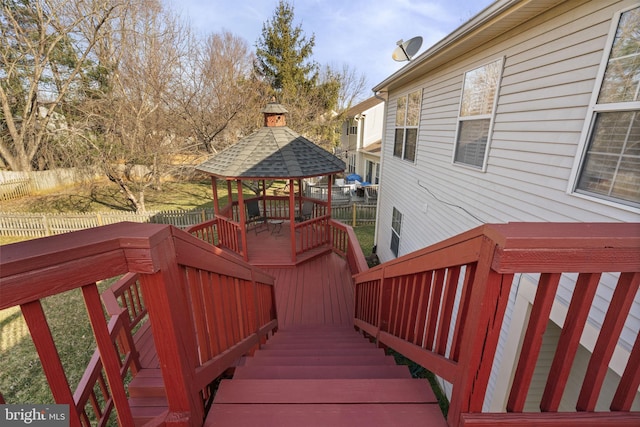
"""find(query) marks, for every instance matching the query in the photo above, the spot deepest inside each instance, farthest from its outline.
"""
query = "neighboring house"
(360, 140)
(530, 111)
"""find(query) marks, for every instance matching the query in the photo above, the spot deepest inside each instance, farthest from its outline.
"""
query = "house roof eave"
(496, 19)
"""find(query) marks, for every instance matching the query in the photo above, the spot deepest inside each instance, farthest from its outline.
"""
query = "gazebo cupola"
(273, 152)
(274, 115)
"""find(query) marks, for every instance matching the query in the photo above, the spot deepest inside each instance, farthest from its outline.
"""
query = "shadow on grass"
(418, 371)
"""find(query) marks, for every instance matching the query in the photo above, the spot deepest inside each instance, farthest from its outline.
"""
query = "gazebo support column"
(243, 221)
(329, 185)
(262, 190)
(292, 218)
(216, 201)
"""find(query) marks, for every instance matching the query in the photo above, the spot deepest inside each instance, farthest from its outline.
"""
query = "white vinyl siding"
(550, 341)
(550, 72)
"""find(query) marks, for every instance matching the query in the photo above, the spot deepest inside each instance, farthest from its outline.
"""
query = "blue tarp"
(353, 177)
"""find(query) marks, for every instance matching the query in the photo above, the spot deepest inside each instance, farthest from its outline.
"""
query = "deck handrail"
(207, 231)
(344, 242)
(443, 308)
(211, 307)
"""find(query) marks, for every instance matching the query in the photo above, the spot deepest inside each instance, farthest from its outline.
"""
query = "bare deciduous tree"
(43, 56)
(130, 131)
(219, 97)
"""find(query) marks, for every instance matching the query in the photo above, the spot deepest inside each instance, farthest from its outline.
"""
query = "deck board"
(317, 292)
(325, 391)
(267, 249)
(335, 415)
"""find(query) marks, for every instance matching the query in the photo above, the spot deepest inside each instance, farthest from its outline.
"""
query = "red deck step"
(147, 396)
(318, 360)
(323, 415)
(148, 383)
(145, 409)
(325, 391)
(320, 377)
(320, 352)
(321, 371)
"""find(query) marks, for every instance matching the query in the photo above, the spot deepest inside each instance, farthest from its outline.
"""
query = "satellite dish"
(406, 50)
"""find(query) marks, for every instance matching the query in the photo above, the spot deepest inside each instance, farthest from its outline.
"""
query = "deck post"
(480, 334)
(169, 312)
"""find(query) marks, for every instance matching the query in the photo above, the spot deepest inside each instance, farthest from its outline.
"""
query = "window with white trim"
(352, 127)
(475, 119)
(396, 225)
(352, 163)
(610, 165)
(406, 131)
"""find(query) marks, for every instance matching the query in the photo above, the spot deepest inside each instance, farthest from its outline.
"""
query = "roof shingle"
(272, 153)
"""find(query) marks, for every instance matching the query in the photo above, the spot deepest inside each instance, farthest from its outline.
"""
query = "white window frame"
(395, 232)
(589, 122)
(405, 127)
(491, 116)
(352, 163)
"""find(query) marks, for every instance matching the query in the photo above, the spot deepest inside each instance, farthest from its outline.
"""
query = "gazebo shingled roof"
(274, 151)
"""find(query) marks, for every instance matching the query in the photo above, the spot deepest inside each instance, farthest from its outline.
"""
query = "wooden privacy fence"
(45, 224)
(16, 184)
(355, 214)
(15, 188)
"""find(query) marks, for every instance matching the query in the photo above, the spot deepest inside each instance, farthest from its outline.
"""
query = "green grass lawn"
(106, 196)
(22, 379)
(365, 235)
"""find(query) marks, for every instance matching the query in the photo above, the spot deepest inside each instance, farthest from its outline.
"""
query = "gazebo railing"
(226, 229)
(312, 234)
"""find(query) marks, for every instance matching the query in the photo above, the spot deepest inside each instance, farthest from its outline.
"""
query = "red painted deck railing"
(210, 307)
(225, 230)
(345, 243)
(443, 307)
(207, 231)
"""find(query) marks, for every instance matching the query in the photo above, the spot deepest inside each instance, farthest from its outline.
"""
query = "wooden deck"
(316, 292)
(323, 376)
(270, 246)
(316, 370)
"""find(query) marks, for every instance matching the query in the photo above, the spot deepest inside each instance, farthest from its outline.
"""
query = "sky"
(360, 33)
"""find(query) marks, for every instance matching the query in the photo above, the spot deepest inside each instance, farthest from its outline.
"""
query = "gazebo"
(274, 152)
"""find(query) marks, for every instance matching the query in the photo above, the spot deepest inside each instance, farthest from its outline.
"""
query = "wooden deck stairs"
(321, 376)
(147, 396)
